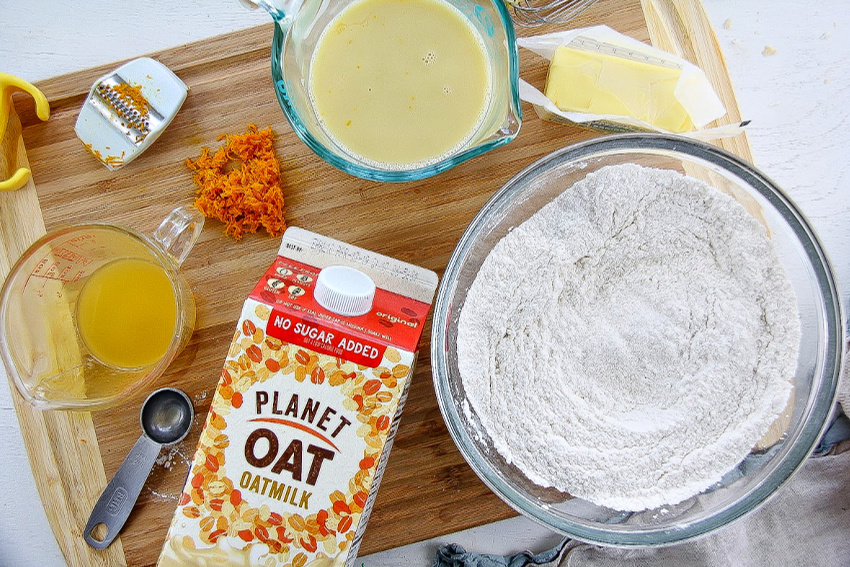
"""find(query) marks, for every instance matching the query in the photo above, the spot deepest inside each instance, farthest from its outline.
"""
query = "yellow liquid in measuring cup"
(127, 313)
(400, 82)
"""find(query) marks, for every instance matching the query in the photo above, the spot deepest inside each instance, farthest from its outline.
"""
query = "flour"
(632, 341)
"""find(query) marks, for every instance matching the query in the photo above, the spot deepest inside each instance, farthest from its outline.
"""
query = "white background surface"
(798, 99)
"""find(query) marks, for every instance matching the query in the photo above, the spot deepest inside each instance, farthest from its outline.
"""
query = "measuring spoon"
(166, 418)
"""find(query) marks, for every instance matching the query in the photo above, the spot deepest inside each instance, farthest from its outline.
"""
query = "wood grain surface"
(62, 446)
(428, 489)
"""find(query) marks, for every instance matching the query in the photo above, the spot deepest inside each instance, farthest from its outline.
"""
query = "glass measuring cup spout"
(495, 122)
(92, 313)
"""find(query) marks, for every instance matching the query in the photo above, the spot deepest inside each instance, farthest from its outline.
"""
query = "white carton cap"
(344, 290)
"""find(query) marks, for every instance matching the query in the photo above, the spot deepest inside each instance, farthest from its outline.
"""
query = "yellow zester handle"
(9, 83)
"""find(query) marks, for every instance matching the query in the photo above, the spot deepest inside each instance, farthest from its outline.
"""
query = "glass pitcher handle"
(179, 232)
(280, 10)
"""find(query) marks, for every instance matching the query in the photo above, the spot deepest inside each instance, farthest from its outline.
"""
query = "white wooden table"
(789, 62)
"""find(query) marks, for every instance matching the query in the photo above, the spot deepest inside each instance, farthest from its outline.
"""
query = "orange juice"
(400, 82)
(127, 313)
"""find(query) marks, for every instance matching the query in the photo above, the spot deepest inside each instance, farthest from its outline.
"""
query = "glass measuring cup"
(300, 24)
(93, 313)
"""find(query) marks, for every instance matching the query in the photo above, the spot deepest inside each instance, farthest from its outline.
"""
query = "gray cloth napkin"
(807, 523)
(453, 555)
(843, 389)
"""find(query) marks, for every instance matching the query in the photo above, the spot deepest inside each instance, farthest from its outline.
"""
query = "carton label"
(327, 340)
(394, 319)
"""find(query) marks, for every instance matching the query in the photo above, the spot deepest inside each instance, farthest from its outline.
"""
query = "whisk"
(531, 13)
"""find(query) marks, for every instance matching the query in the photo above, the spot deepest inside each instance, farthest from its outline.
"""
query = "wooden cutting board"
(428, 489)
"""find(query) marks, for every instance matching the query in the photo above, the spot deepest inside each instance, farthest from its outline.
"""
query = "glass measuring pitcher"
(300, 27)
(93, 313)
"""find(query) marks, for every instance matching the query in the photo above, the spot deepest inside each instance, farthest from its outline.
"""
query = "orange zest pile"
(240, 183)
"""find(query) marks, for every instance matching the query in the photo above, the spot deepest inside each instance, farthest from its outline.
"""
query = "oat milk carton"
(302, 420)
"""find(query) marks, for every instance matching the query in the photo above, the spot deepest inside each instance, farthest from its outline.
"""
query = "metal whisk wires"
(531, 13)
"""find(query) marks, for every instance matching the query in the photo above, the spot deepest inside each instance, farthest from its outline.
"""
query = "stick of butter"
(602, 79)
(598, 83)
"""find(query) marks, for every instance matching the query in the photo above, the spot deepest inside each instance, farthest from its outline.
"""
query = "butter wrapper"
(602, 46)
(304, 414)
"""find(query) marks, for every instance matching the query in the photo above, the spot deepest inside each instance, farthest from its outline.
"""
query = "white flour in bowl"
(632, 341)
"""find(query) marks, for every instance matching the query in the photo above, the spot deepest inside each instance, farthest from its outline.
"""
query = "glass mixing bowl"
(819, 363)
(300, 24)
